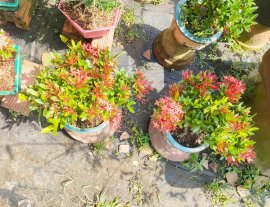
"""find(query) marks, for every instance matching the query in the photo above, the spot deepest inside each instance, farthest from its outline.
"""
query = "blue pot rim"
(12, 5)
(18, 73)
(189, 35)
(182, 148)
(87, 130)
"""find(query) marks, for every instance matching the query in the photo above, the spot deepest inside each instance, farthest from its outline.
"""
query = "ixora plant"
(92, 18)
(206, 18)
(84, 89)
(10, 65)
(201, 110)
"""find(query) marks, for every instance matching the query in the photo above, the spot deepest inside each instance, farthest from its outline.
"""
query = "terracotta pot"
(183, 36)
(169, 53)
(98, 32)
(265, 71)
(258, 37)
(96, 134)
(167, 147)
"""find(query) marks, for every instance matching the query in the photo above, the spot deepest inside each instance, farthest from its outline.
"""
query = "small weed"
(155, 2)
(240, 69)
(137, 189)
(112, 138)
(138, 138)
(98, 147)
(101, 201)
(155, 156)
(129, 17)
(194, 163)
(14, 115)
(205, 58)
(128, 28)
(248, 174)
(220, 193)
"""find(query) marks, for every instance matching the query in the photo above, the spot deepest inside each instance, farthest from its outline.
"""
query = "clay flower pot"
(95, 134)
(6, 5)
(18, 74)
(258, 37)
(169, 53)
(98, 32)
(183, 36)
(167, 147)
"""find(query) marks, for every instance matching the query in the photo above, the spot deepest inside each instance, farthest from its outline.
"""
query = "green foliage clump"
(204, 18)
(84, 87)
(212, 109)
(6, 46)
(138, 138)
(105, 5)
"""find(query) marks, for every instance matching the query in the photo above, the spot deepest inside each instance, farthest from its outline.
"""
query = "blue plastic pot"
(189, 35)
(183, 148)
(9, 6)
(18, 74)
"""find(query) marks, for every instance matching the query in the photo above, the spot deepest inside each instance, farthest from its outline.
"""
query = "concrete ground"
(41, 170)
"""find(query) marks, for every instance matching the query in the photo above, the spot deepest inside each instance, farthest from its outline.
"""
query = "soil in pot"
(88, 124)
(188, 138)
(88, 17)
(7, 74)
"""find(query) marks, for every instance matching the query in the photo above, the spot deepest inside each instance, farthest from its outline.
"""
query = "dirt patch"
(89, 18)
(188, 138)
(7, 75)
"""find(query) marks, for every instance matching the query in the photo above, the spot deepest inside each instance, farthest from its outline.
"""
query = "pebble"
(124, 148)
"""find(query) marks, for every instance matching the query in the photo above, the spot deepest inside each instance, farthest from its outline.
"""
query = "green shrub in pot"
(211, 109)
(204, 18)
(84, 87)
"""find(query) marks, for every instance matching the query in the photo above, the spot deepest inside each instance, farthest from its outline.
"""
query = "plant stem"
(78, 4)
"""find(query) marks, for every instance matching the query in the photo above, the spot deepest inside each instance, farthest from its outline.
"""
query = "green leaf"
(130, 109)
(47, 129)
(39, 101)
(32, 92)
(64, 39)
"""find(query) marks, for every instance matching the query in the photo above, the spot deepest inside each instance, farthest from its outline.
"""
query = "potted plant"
(198, 23)
(9, 5)
(84, 92)
(201, 111)
(10, 65)
(92, 18)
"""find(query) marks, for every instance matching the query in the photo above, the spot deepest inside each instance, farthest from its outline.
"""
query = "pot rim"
(183, 148)
(87, 130)
(10, 5)
(189, 35)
